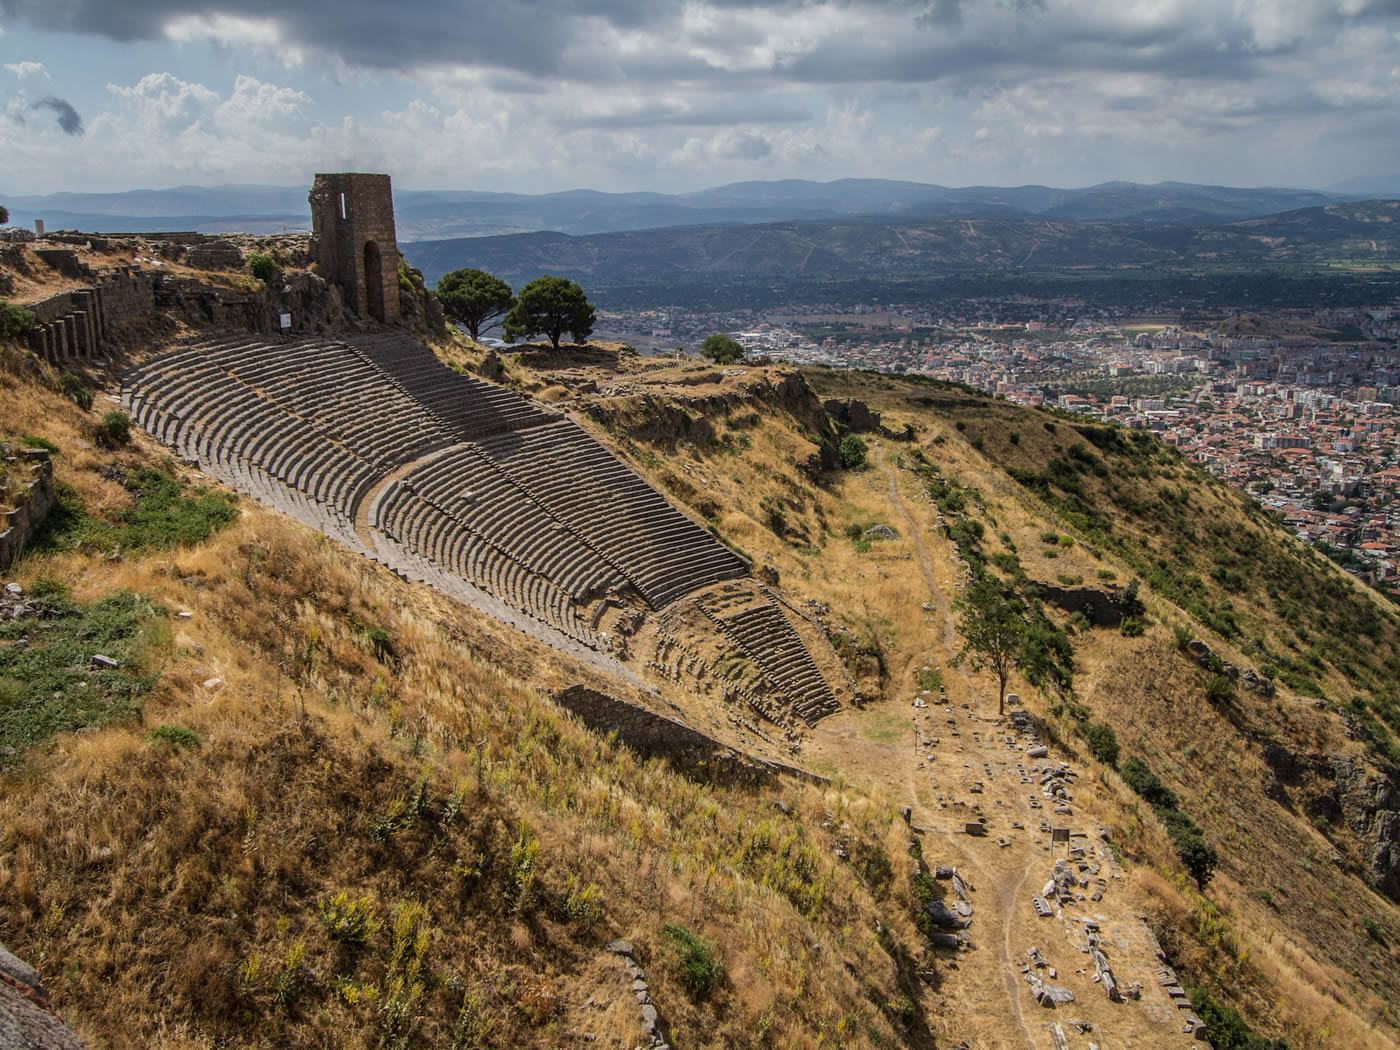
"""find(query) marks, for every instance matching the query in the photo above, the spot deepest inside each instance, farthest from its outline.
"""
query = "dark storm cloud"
(68, 118)
(910, 41)
(748, 147)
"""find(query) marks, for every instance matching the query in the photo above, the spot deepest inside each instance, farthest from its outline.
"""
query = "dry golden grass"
(141, 876)
(172, 896)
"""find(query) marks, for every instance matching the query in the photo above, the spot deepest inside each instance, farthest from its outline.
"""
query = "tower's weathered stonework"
(353, 242)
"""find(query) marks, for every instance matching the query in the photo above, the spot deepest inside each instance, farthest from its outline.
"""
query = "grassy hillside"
(341, 808)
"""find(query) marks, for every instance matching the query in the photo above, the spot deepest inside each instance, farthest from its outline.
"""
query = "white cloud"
(685, 93)
(27, 69)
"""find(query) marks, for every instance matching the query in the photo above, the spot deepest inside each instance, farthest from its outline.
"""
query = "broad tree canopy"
(722, 349)
(474, 299)
(551, 306)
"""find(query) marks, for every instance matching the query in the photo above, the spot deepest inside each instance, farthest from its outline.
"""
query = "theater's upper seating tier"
(472, 407)
(663, 553)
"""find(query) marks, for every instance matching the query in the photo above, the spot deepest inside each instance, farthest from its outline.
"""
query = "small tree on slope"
(991, 626)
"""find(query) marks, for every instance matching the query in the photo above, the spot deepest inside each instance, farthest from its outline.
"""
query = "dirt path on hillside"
(990, 879)
(963, 765)
(940, 603)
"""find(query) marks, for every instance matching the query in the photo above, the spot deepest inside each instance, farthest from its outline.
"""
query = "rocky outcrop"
(1103, 608)
(1369, 800)
(315, 305)
(853, 414)
(31, 503)
(1247, 677)
(26, 1015)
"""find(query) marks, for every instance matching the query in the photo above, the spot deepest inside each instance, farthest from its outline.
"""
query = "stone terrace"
(758, 627)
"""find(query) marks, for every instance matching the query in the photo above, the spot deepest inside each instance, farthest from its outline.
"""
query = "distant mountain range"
(424, 215)
(1365, 231)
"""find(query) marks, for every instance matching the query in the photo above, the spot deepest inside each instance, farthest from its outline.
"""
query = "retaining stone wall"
(33, 505)
(656, 735)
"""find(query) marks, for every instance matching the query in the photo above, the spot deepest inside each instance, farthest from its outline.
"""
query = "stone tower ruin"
(353, 242)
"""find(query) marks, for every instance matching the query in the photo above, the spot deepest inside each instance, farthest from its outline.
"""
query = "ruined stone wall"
(32, 505)
(76, 323)
(67, 325)
(354, 243)
(126, 293)
(654, 735)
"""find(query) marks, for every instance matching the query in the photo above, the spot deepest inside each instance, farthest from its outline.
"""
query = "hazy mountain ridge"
(872, 246)
(424, 214)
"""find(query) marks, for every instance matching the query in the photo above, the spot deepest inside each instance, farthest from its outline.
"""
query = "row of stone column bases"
(32, 505)
(76, 323)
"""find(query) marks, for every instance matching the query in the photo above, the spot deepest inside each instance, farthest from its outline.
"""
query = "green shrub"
(262, 266)
(346, 920)
(114, 430)
(853, 452)
(1219, 689)
(697, 967)
(39, 442)
(1131, 627)
(381, 644)
(15, 321)
(1225, 1028)
(71, 386)
(1007, 563)
(1140, 778)
(1103, 742)
(1050, 538)
(176, 736)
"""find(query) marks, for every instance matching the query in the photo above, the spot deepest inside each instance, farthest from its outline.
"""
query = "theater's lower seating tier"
(759, 628)
(663, 553)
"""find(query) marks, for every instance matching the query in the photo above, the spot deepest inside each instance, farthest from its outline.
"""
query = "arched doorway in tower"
(374, 282)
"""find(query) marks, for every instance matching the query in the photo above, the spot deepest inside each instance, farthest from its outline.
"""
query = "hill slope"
(317, 726)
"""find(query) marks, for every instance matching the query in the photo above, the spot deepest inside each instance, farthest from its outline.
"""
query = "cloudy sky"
(539, 95)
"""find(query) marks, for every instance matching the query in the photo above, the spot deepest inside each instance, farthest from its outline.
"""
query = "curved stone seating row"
(664, 553)
(765, 634)
(345, 394)
(210, 417)
(468, 488)
(421, 527)
(473, 407)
